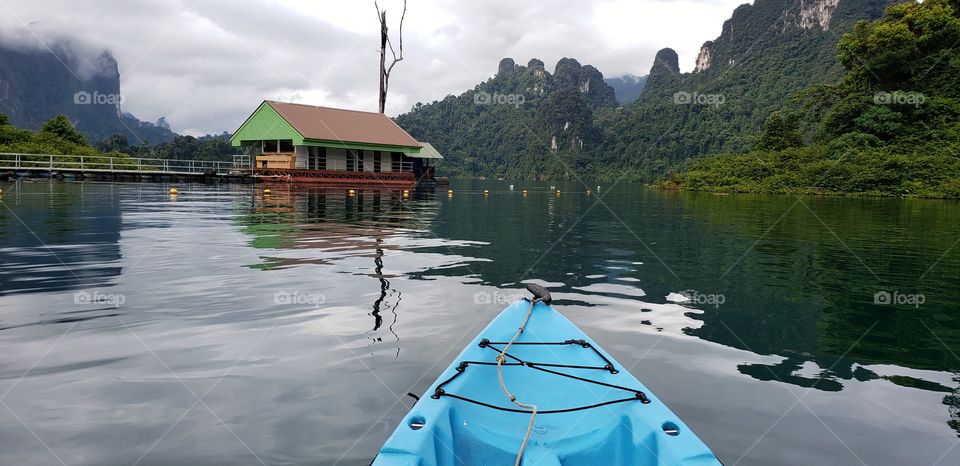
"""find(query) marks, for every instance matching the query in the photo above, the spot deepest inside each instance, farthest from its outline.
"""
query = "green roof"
(427, 151)
(324, 126)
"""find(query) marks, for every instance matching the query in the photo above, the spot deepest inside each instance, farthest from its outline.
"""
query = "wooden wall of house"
(337, 159)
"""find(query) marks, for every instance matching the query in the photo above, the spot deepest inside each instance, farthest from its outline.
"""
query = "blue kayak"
(590, 410)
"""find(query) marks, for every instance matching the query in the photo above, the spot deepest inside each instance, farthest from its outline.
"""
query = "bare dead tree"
(384, 44)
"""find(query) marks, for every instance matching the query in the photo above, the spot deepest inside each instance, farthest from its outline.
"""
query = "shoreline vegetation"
(59, 136)
(889, 128)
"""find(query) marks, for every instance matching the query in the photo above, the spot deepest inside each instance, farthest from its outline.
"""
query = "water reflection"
(807, 289)
(58, 239)
(383, 301)
(802, 292)
(798, 308)
(329, 226)
(953, 405)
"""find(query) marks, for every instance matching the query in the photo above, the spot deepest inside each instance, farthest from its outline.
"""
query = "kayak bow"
(589, 410)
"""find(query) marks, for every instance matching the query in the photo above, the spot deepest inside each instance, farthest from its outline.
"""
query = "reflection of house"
(305, 143)
(331, 224)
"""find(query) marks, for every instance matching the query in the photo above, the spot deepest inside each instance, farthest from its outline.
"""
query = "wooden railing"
(88, 163)
(334, 176)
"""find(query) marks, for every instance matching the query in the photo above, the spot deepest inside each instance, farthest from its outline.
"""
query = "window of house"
(351, 160)
(361, 161)
(321, 158)
(395, 162)
(286, 145)
(270, 146)
(377, 163)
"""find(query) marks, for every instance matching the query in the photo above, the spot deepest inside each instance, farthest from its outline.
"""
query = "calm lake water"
(223, 326)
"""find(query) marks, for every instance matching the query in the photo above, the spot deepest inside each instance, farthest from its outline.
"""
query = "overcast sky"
(206, 64)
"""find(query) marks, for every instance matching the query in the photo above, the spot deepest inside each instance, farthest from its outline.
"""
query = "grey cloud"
(205, 65)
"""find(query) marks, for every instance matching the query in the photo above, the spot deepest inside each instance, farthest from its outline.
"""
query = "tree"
(4, 120)
(384, 43)
(115, 143)
(780, 132)
(61, 127)
(912, 47)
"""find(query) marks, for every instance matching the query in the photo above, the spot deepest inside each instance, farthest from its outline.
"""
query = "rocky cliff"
(37, 84)
(765, 53)
(507, 123)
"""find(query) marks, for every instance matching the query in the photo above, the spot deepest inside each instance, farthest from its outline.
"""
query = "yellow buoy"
(450, 191)
(267, 191)
(406, 192)
(524, 192)
(486, 192)
(588, 192)
(173, 190)
(558, 192)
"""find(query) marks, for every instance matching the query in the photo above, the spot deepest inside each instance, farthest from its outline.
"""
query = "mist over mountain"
(627, 87)
(37, 84)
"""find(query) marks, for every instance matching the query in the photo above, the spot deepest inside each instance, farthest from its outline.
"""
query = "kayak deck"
(590, 409)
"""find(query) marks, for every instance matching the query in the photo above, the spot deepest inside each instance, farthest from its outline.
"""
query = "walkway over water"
(86, 166)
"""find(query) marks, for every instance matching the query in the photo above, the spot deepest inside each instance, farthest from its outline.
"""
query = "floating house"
(309, 144)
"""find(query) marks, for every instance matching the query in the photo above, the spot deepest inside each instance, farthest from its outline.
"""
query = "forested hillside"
(524, 122)
(766, 52)
(890, 126)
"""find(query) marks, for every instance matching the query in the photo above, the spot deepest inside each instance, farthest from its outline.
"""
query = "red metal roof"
(335, 124)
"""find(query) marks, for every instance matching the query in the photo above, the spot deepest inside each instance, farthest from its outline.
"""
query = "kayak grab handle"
(539, 293)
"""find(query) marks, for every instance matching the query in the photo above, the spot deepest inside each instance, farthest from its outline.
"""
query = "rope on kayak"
(501, 359)
(462, 367)
(550, 411)
(581, 343)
